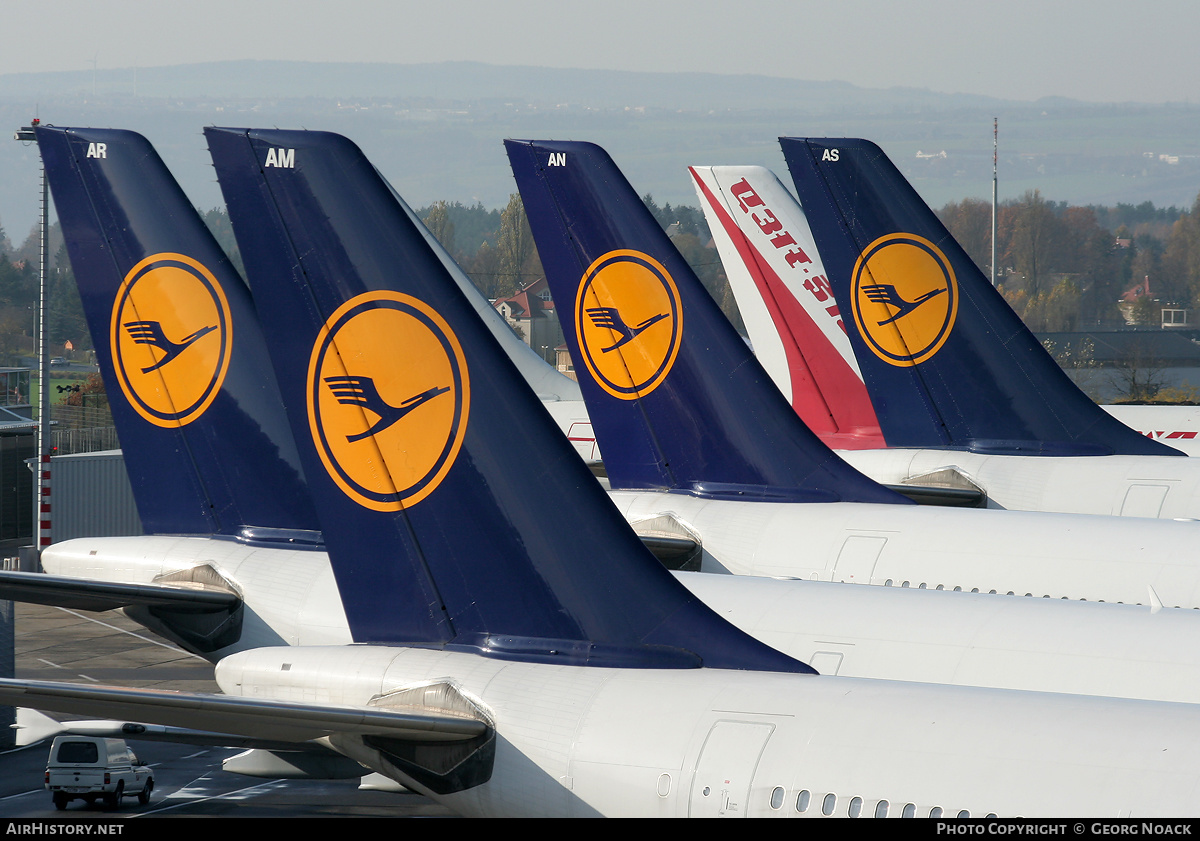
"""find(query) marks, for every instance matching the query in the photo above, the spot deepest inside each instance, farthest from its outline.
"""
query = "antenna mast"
(995, 150)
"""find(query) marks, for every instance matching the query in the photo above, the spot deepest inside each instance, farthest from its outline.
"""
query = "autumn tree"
(1036, 234)
(518, 258)
(65, 320)
(970, 223)
(438, 221)
(1181, 255)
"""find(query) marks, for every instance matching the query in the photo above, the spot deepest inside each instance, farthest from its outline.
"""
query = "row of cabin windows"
(854, 808)
(922, 586)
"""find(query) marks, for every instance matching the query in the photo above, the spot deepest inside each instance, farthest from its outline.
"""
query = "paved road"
(58, 644)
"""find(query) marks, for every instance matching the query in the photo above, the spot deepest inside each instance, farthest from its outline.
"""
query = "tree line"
(19, 298)
(1064, 267)
(497, 252)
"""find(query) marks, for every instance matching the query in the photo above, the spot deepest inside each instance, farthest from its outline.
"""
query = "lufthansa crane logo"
(629, 322)
(905, 298)
(388, 398)
(171, 338)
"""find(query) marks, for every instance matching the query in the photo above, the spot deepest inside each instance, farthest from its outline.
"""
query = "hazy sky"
(1099, 50)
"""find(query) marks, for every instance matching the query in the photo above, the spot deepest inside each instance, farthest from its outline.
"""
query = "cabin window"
(887, 583)
(940, 587)
(776, 797)
(802, 800)
(855, 807)
(935, 812)
(827, 806)
(881, 809)
(965, 813)
(909, 811)
(904, 584)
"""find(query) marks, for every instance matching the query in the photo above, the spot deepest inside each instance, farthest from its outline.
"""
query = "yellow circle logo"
(171, 338)
(905, 298)
(388, 398)
(629, 322)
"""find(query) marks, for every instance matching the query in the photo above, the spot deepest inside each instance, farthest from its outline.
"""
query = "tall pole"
(41, 502)
(995, 156)
(43, 485)
(8, 715)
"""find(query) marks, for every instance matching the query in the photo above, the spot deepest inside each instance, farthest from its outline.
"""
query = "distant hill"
(473, 82)
(435, 130)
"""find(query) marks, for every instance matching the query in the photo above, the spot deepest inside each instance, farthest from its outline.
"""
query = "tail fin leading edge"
(455, 512)
(675, 396)
(193, 396)
(948, 363)
(547, 383)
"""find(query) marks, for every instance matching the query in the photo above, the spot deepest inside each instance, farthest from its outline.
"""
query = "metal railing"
(86, 440)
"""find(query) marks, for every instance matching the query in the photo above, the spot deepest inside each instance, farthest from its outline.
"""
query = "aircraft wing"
(260, 719)
(85, 594)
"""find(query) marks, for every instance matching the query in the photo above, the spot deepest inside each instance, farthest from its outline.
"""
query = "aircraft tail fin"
(455, 513)
(784, 297)
(946, 360)
(187, 374)
(676, 398)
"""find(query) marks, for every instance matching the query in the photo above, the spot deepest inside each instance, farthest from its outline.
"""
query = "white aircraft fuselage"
(1175, 426)
(873, 632)
(1126, 486)
(574, 742)
(1060, 556)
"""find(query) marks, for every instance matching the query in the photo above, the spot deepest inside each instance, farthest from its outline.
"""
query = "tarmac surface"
(108, 648)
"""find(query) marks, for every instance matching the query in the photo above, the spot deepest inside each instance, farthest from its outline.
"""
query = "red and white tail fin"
(781, 289)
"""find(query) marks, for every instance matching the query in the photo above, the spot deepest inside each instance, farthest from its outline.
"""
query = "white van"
(91, 768)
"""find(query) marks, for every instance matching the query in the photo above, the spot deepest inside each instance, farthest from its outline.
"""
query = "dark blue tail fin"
(676, 398)
(207, 445)
(454, 511)
(948, 364)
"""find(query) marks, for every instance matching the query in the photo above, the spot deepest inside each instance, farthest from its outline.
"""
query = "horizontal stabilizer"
(86, 594)
(188, 736)
(276, 721)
